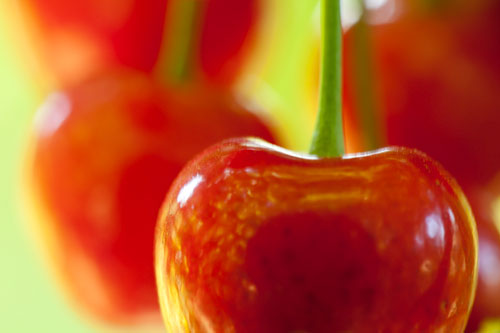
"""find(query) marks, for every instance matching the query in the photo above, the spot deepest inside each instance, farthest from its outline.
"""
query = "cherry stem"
(328, 137)
(364, 86)
(178, 54)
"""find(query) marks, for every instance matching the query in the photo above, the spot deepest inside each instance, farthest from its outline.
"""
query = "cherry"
(255, 238)
(439, 76)
(91, 35)
(105, 153)
(227, 31)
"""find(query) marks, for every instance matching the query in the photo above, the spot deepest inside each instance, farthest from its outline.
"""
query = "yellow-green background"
(28, 300)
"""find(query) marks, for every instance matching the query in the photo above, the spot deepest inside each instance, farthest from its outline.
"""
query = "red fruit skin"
(105, 153)
(130, 33)
(254, 238)
(227, 34)
(131, 30)
(439, 81)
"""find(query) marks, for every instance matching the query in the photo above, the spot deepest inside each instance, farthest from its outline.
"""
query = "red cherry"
(227, 28)
(105, 154)
(129, 32)
(77, 38)
(439, 78)
(254, 238)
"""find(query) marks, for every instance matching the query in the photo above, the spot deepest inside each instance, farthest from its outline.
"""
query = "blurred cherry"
(105, 153)
(438, 75)
(97, 33)
(437, 82)
(227, 34)
(84, 37)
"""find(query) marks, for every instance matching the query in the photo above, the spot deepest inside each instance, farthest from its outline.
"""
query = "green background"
(29, 302)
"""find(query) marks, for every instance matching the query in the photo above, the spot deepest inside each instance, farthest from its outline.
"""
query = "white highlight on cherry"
(52, 114)
(434, 227)
(187, 190)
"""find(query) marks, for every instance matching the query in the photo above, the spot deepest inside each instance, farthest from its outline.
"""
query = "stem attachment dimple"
(328, 137)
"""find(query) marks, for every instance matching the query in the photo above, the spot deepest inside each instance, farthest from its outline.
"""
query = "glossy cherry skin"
(254, 238)
(104, 155)
(438, 76)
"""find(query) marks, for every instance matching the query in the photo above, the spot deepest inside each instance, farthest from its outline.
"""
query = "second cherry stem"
(328, 137)
(181, 37)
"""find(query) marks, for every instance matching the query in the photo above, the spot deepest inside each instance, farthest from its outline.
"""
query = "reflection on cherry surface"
(105, 153)
(437, 72)
(253, 238)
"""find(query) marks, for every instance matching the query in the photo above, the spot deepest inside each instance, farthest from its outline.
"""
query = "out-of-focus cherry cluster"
(140, 88)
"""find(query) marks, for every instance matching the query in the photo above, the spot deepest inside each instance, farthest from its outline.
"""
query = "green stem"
(178, 54)
(328, 138)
